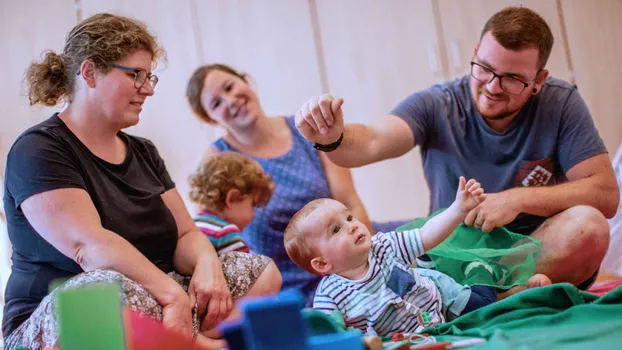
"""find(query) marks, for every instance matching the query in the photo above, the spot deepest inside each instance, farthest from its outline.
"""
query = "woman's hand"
(177, 315)
(208, 289)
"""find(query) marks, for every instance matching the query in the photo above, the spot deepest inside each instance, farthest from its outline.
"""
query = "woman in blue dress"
(219, 95)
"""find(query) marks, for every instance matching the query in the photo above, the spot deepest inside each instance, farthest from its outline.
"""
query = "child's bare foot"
(538, 280)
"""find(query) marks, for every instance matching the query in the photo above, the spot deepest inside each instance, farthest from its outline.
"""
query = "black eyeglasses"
(140, 76)
(508, 84)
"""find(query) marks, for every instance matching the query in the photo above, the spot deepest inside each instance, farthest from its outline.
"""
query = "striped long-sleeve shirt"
(225, 237)
(391, 295)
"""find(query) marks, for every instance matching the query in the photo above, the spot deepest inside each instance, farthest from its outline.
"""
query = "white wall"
(278, 42)
(371, 52)
(26, 29)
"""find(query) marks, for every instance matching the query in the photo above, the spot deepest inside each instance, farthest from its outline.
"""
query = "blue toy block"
(277, 323)
(234, 334)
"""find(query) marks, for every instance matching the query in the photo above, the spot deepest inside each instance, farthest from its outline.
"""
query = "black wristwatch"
(328, 148)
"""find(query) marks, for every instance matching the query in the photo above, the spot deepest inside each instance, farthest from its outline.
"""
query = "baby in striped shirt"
(228, 186)
(370, 279)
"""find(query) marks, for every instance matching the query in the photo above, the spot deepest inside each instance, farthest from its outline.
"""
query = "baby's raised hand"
(470, 194)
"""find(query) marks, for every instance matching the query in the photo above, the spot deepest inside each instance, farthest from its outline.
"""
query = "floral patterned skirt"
(241, 270)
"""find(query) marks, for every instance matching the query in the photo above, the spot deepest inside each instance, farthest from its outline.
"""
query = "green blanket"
(554, 317)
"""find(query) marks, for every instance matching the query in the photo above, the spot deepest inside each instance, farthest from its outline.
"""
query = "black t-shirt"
(127, 196)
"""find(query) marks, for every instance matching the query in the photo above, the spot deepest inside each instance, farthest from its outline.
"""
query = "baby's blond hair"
(296, 245)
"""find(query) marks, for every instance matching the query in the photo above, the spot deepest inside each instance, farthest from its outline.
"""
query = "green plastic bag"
(500, 259)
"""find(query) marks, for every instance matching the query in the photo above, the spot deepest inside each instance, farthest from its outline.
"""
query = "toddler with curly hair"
(228, 187)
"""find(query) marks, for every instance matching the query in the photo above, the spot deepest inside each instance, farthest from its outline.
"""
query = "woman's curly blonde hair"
(103, 38)
(224, 171)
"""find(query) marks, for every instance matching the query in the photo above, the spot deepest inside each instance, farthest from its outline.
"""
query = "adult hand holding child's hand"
(498, 211)
(470, 194)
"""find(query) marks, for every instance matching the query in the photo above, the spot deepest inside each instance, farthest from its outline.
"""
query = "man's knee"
(591, 224)
(574, 243)
(591, 231)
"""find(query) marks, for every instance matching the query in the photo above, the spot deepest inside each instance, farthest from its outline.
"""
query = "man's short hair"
(517, 28)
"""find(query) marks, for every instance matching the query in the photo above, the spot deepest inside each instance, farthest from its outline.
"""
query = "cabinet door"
(594, 33)
(28, 28)
(166, 118)
(271, 40)
(376, 54)
(462, 23)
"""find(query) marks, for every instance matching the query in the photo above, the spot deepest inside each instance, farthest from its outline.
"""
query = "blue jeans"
(480, 297)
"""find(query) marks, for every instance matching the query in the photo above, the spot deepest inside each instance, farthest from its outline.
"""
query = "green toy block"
(90, 318)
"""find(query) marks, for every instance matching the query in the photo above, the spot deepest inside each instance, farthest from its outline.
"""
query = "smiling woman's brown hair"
(103, 39)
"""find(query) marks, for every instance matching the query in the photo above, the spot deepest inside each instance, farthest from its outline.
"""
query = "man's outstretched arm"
(320, 120)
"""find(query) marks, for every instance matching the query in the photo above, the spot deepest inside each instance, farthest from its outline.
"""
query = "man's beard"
(498, 116)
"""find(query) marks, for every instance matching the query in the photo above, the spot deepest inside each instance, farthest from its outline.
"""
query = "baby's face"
(337, 237)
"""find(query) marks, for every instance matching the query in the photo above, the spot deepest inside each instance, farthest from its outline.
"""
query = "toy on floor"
(373, 342)
(91, 317)
(275, 323)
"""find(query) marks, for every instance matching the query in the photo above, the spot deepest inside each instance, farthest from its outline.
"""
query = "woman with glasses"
(88, 203)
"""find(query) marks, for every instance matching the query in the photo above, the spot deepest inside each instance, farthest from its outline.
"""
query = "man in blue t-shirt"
(528, 138)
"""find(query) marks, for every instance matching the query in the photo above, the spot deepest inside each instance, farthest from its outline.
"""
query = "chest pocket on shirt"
(400, 281)
(535, 173)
